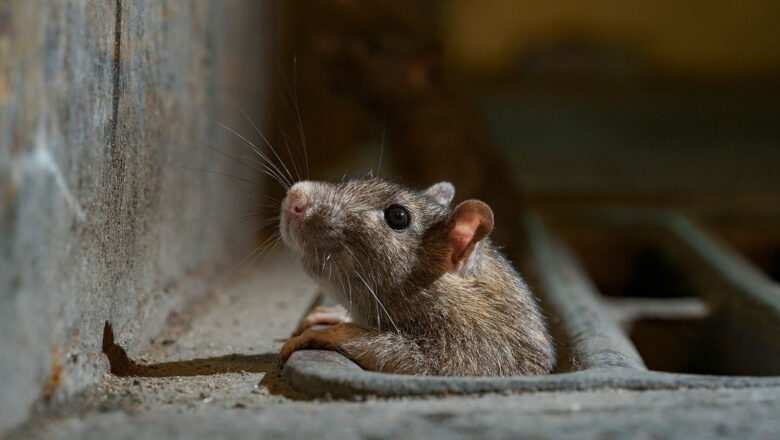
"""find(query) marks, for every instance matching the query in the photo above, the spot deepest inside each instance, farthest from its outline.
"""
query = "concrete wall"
(101, 103)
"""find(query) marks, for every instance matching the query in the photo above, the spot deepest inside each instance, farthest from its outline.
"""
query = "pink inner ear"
(461, 235)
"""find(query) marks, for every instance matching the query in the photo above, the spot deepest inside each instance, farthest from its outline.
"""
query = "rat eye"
(397, 217)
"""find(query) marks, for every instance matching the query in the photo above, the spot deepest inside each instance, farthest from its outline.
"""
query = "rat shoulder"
(495, 264)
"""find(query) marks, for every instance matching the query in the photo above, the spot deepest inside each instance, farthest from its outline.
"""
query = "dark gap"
(121, 365)
(767, 258)
(765, 255)
(774, 265)
(623, 263)
(666, 345)
(651, 275)
(756, 238)
(716, 345)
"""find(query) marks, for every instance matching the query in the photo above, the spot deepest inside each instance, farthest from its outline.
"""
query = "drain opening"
(630, 263)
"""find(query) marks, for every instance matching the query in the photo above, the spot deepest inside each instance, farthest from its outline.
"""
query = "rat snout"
(296, 203)
(307, 220)
(296, 209)
(301, 200)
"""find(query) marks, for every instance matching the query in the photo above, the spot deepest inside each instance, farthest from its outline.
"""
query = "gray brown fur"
(424, 319)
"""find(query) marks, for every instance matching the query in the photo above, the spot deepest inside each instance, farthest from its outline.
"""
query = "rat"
(422, 290)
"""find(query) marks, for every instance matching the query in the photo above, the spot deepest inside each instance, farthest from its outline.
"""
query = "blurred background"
(660, 102)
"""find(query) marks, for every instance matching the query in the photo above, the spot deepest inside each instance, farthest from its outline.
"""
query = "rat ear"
(442, 193)
(471, 221)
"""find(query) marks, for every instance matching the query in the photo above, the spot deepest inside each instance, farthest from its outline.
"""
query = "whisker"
(249, 192)
(378, 301)
(261, 248)
(341, 282)
(261, 222)
(382, 145)
(225, 175)
(269, 248)
(268, 171)
(243, 113)
(290, 155)
(207, 145)
(257, 151)
(276, 242)
(349, 283)
(298, 119)
(299, 129)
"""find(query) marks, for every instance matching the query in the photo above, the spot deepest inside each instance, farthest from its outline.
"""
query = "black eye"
(397, 217)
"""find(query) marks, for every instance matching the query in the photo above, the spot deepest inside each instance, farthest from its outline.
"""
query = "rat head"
(375, 233)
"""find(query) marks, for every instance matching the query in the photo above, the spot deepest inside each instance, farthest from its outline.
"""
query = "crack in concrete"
(116, 84)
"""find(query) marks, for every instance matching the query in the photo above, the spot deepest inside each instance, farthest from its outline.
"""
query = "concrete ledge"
(320, 373)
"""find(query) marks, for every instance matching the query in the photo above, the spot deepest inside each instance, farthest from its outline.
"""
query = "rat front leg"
(371, 349)
(323, 316)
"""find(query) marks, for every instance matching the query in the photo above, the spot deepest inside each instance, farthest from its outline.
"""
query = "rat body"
(425, 290)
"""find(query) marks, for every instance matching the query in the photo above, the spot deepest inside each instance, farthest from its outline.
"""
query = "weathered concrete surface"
(231, 341)
(100, 105)
(599, 415)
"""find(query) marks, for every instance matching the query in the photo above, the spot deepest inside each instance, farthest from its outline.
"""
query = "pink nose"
(297, 203)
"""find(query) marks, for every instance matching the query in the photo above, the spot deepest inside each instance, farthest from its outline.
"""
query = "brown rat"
(425, 290)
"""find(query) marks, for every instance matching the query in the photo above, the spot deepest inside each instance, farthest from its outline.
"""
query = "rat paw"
(323, 316)
(329, 338)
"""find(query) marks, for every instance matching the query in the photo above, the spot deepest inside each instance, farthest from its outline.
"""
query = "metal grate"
(636, 299)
